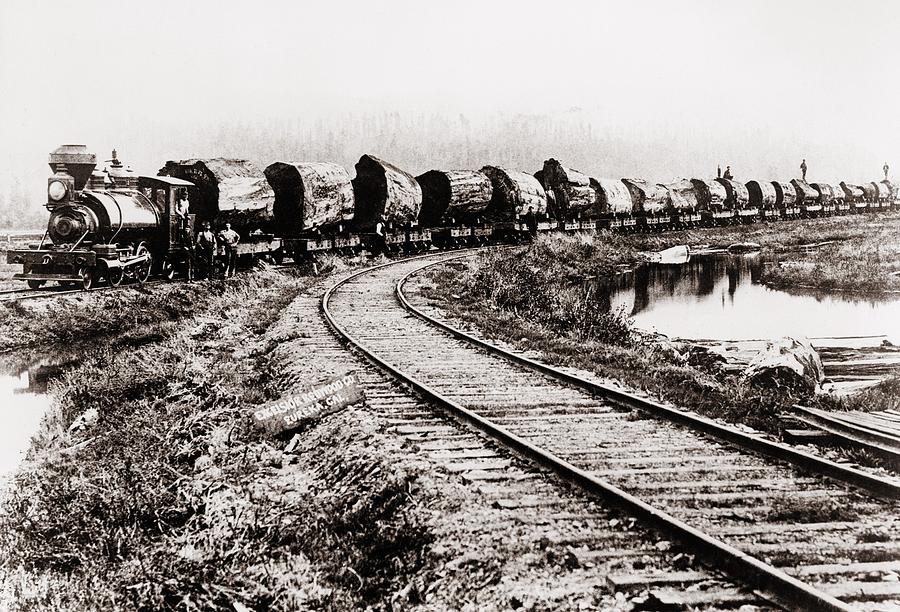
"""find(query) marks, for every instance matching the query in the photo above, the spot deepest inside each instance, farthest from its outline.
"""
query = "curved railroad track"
(803, 539)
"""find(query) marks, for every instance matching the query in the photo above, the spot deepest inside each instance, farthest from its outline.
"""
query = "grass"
(170, 500)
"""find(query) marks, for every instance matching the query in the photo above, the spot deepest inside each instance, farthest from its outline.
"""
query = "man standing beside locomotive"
(206, 250)
(229, 239)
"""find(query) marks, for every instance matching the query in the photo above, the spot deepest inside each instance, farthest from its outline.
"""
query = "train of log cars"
(111, 225)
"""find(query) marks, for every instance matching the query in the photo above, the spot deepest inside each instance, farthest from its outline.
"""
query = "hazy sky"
(755, 84)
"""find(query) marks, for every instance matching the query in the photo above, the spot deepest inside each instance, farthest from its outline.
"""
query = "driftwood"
(513, 194)
(381, 188)
(228, 190)
(310, 195)
(648, 198)
(571, 188)
(737, 195)
(458, 194)
(710, 194)
(682, 195)
(826, 194)
(613, 196)
(762, 194)
(785, 194)
(805, 193)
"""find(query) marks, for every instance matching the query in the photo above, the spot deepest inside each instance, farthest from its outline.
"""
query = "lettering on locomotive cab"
(310, 403)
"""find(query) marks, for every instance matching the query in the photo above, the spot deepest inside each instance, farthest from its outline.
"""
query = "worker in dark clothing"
(531, 221)
(728, 174)
(886, 168)
(206, 251)
(803, 169)
(551, 205)
(718, 171)
(229, 239)
(380, 239)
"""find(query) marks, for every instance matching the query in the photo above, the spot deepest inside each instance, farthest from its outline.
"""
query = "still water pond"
(717, 298)
(23, 402)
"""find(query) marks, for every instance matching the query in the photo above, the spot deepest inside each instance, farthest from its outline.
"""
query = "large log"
(572, 190)
(711, 195)
(884, 190)
(458, 194)
(785, 194)
(737, 196)
(381, 188)
(826, 194)
(310, 195)
(852, 193)
(762, 194)
(805, 193)
(648, 198)
(228, 191)
(613, 196)
(514, 193)
(683, 195)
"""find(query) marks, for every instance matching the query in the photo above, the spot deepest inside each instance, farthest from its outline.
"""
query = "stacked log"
(683, 195)
(737, 196)
(890, 187)
(383, 189)
(228, 191)
(648, 198)
(613, 196)
(513, 194)
(805, 193)
(711, 195)
(458, 194)
(310, 195)
(852, 192)
(762, 194)
(785, 194)
(826, 195)
(571, 188)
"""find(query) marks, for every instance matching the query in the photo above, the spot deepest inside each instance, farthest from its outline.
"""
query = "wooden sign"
(311, 403)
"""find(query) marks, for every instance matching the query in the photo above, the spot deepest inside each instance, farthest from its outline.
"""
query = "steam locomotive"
(112, 225)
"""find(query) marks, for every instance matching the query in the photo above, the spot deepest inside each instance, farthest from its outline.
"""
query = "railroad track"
(804, 540)
(21, 295)
(575, 548)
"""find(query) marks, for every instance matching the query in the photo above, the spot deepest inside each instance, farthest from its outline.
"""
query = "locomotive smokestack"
(75, 161)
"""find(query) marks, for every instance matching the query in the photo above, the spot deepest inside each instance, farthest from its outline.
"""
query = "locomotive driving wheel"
(87, 277)
(115, 276)
(142, 270)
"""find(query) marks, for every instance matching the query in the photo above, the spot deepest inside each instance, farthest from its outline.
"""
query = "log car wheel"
(87, 277)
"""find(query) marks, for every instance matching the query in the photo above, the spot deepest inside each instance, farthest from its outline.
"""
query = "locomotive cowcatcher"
(106, 226)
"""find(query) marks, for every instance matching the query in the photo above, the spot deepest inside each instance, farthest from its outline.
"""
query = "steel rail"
(881, 487)
(50, 292)
(777, 585)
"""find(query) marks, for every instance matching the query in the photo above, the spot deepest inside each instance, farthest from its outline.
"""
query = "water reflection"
(719, 297)
(24, 401)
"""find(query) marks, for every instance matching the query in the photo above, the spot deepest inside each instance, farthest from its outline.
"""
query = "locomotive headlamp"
(56, 190)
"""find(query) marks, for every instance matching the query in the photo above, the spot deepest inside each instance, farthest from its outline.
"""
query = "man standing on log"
(728, 175)
(886, 168)
(230, 240)
(803, 169)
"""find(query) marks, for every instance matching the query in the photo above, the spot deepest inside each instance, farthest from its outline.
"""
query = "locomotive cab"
(177, 238)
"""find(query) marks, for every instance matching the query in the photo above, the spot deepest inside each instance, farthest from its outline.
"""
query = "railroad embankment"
(148, 488)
